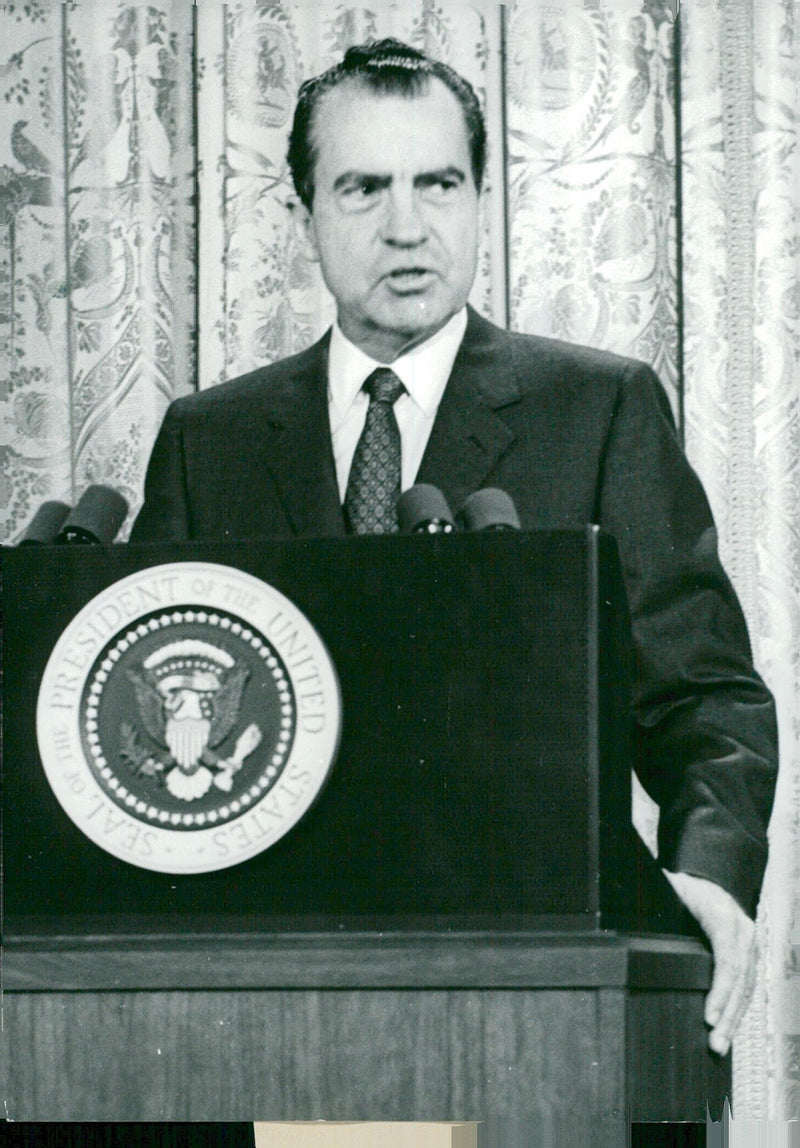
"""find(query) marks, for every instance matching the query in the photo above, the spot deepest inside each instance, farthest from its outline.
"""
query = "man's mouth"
(404, 279)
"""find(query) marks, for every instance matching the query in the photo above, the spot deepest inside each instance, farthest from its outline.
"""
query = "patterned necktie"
(373, 487)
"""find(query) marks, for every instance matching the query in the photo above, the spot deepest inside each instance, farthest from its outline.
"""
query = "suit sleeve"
(165, 516)
(706, 731)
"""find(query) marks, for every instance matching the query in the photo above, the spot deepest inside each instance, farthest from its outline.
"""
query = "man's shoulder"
(537, 369)
(264, 384)
(541, 353)
(578, 358)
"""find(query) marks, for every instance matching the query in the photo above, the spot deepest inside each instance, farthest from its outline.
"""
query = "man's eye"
(362, 190)
(361, 195)
(441, 188)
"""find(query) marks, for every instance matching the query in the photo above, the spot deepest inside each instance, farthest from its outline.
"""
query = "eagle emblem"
(189, 694)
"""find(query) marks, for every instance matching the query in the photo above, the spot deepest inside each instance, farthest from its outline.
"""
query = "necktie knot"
(383, 386)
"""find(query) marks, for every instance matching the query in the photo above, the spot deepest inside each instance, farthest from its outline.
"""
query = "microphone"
(45, 524)
(489, 509)
(98, 515)
(423, 509)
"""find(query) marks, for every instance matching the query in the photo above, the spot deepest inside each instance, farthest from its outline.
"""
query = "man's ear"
(303, 223)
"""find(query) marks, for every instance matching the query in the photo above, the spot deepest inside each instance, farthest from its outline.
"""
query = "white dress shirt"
(424, 372)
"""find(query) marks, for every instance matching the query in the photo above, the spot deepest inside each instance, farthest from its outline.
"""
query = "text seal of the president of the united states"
(188, 717)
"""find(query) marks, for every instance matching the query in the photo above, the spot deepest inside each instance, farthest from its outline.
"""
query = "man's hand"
(732, 937)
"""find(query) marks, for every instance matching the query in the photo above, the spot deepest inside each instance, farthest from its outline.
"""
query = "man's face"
(394, 223)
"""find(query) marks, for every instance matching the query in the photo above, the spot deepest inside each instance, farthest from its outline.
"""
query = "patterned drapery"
(145, 250)
(98, 242)
(740, 152)
(591, 176)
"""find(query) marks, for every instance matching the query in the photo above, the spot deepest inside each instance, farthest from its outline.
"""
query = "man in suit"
(387, 155)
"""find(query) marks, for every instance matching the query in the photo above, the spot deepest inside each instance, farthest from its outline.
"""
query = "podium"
(463, 925)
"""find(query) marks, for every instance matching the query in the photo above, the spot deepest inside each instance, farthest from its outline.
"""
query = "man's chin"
(397, 327)
(416, 320)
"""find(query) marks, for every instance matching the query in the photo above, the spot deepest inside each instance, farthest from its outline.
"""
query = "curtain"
(591, 176)
(98, 244)
(642, 197)
(740, 146)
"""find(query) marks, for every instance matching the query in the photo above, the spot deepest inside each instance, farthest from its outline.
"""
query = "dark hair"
(388, 67)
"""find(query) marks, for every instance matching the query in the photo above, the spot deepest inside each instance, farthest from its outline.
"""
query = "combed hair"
(388, 67)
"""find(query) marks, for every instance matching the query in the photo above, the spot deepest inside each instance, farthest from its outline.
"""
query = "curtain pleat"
(741, 175)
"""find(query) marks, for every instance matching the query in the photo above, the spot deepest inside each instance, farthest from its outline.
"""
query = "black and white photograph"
(400, 572)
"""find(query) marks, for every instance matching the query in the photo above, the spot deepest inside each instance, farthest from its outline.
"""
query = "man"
(387, 154)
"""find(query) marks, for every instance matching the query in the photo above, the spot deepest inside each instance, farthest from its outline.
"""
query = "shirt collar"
(424, 370)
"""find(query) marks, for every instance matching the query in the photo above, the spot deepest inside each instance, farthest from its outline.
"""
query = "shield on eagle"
(189, 694)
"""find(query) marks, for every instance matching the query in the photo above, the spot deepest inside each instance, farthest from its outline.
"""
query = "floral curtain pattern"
(740, 153)
(145, 250)
(35, 391)
(591, 176)
(96, 186)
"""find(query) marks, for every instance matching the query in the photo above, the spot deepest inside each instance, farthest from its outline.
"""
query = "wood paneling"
(544, 1031)
(364, 1055)
(669, 1060)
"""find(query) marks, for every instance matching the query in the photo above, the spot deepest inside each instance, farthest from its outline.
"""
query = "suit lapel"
(468, 436)
(298, 449)
(467, 439)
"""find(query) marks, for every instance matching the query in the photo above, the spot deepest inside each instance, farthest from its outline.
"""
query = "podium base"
(525, 1027)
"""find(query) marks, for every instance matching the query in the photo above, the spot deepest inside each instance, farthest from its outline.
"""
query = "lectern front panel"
(482, 771)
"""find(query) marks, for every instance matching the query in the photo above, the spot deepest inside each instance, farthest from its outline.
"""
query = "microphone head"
(45, 524)
(97, 516)
(489, 509)
(423, 509)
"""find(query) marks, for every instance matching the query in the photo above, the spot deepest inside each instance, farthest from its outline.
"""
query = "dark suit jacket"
(575, 436)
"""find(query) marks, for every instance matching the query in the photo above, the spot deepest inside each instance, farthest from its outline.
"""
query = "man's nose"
(404, 224)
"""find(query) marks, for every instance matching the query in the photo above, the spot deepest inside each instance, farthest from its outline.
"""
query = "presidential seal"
(188, 717)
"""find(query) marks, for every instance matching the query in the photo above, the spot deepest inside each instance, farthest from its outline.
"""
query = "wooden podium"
(464, 926)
